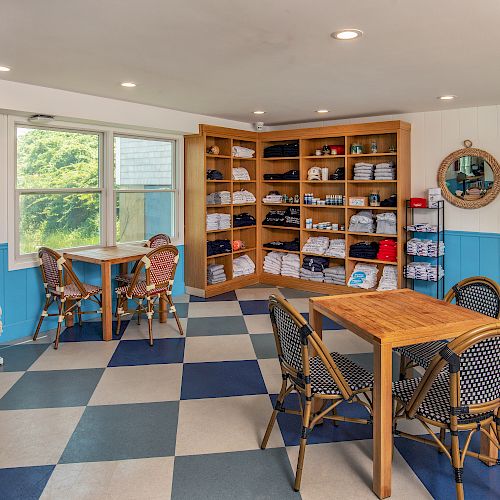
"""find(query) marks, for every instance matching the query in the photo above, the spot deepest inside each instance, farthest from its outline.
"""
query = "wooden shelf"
(215, 181)
(279, 181)
(208, 155)
(243, 250)
(323, 231)
(282, 227)
(240, 180)
(378, 235)
(322, 157)
(319, 255)
(245, 159)
(210, 205)
(307, 205)
(244, 227)
(373, 261)
(372, 208)
(277, 158)
(281, 204)
(225, 254)
(324, 182)
(297, 252)
(374, 181)
(244, 204)
(218, 230)
(364, 155)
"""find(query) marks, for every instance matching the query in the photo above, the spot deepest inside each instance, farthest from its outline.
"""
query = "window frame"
(106, 188)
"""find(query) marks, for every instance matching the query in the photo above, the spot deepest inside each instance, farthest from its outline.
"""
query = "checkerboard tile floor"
(184, 419)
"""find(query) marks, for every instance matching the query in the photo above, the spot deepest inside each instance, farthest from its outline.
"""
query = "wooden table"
(106, 257)
(391, 319)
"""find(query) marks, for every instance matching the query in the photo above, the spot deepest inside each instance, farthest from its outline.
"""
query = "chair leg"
(42, 317)
(403, 364)
(303, 443)
(455, 459)
(119, 305)
(150, 320)
(79, 313)
(174, 312)
(442, 438)
(60, 319)
(335, 422)
(274, 415)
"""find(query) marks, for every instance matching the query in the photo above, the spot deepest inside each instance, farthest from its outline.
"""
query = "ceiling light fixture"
(128, 84)
(346, 34)
(322, 111)
(449, 97)
(258, 112)
(4, 68)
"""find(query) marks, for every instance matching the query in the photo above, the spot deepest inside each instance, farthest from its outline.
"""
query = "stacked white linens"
(334, 275)
(218, 221)
(424, 248)
(290, 265)
(316, 245)
(389, 279)
(386, 223)
(219, 198)
(240, 174)
(242, 266)
(273, 198)
(363, 171)
(215, 274)
(241, 152)
(336, 248)
(362, 222)
(243, 196)
(363, 276)
(424, 271)
(307, 274)
(385, 172)
(273, 262)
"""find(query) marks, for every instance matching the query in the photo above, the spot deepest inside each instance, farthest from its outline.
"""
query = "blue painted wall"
(22, 296)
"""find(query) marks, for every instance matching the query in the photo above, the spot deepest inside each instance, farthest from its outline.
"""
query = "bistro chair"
(321, 382)
(155, 241)
(459, 392)
(478, 293)
(153, 285)
(62, 284)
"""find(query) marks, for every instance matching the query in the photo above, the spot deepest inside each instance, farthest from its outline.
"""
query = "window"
(58, 188)
(145, 192)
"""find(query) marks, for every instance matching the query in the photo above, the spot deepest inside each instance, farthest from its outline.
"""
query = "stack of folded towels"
(316, 245)
(336, 248)
(387, 250)
(242, 266)
(272, 198)
(334, 275)
(385, 172)
(363, 171)
(290, 265)
(215, 274)
(364, 250)
(241, 152)
(219, 198)
(363, 276)
(240, 174)
(389, 279)
(362, 222)
(218, 221)
(243, 196)
(386, 223)
(273, 262)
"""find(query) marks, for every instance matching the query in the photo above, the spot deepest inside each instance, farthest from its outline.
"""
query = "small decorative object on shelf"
(392, 148)
(373, 147)
(213, 150)
(358, 201)
(374, 200)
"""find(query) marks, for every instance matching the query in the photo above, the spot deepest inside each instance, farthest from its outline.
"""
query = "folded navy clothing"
(315, 263)
(274, 218)
(291, 246)
(292, 217)
(243, 219)
(290, 175)
(278, 150)
(364, 250)
(214, 175)
(216, 247)
(392, 201)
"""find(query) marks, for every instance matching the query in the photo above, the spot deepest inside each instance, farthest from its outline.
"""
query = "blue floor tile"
(139, 352)
(19, 358)
(328, 324)
(26, 483)
(291, 425)
(90, 331)
(254, 306)
(217, 298)
(224, 379)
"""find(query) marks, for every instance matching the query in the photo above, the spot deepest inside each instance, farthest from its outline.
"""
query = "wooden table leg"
(107, 311)
(488, 448)
(382, 420)
(162, 312)
(69, 320)
(124, 270)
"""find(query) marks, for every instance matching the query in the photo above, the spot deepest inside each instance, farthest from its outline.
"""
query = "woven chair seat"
(436, 405)
(127, 278)
(421, 354)
(73, 291)
(322, 383)
(140, 290)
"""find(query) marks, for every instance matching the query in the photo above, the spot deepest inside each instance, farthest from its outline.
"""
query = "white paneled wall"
(436, 134)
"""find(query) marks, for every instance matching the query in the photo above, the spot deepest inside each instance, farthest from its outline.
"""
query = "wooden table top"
(399, 317)
(114, 254)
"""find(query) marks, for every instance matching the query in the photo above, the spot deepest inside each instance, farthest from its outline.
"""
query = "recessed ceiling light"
(322, 111)
(128, 84)
(4, 68)
(258, 112)
(447, 97)
(347, 34)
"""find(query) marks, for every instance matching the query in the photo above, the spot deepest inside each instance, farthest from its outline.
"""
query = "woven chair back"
(158, 240)
(479, 293)
(51, 274)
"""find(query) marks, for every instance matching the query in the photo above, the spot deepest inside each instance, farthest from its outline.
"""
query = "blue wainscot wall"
(22, 296)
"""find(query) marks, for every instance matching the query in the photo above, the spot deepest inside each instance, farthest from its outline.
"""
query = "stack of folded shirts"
(317, 264)
(290, 265)
(363, 276)
(273, 262)
(316, 245)
(291, 246)
(292, 217)
(392, 201)
(217, 247)
(389, 279)
(244, 219)
(214, 175)
(385, 172)
(241, 152)
(242, 266)
(363, 171)
(362, 222)
(386, 223)
(336, 248)
(219, 198)
(240, 174)
(387, 250)
(423, 271)
(422, 228)
(215, 274)
(278, 150)
(272, 198)
(307, 274)
(218, 221)
(364, 250)
(243, 196)
(274, 218)
(424, 248)
(334, 275)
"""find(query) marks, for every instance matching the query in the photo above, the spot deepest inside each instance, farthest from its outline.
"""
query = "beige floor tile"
(256, 293)
(224, 424)
(258, 323)
(147, 478)
(7, 380)
(166, 330)
(212, 309)
(271, 373)
(184, 298)
(345, 342)
(76, 355)
(36, 437)
(218, 348)
(352, 476)
(138, 384)
(302, 305)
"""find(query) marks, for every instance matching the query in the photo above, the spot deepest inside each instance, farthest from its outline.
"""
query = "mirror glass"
(469, 178)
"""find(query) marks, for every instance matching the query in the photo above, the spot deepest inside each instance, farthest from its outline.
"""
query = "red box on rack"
(418, 203)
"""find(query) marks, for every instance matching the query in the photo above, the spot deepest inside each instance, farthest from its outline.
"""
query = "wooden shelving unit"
(386, 134)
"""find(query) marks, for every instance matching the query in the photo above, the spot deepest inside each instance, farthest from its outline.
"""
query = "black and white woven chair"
(479, 293)
(459, 392)
(321, 382)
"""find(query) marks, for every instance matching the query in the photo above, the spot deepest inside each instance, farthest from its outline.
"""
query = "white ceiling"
(227, 58)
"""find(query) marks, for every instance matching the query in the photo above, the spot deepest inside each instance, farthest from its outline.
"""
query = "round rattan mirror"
(469, 177)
